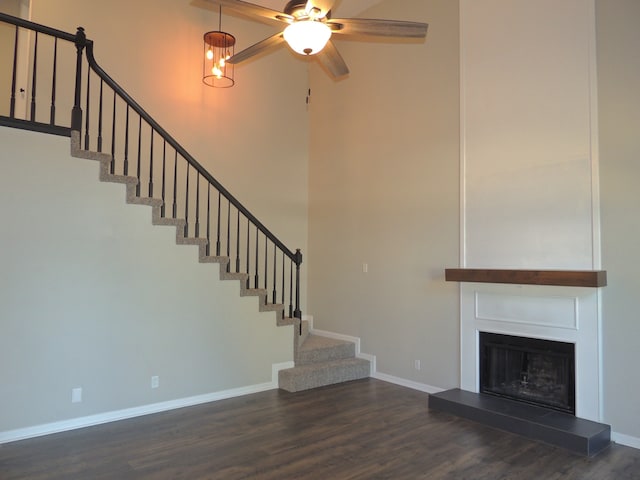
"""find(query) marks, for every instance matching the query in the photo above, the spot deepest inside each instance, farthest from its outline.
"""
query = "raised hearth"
(580, 436)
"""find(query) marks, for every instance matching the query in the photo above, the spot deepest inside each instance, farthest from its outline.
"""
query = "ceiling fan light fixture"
(307, 37)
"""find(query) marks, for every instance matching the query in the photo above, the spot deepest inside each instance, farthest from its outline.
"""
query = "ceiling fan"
(309, 28)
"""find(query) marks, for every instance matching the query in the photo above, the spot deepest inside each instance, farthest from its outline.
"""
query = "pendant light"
(218, 48)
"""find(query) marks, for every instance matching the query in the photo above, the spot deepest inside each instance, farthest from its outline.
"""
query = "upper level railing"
(46, 76)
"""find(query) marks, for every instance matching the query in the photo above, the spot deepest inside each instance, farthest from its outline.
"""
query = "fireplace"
(532, 336)
(567, 315)
(535, 371)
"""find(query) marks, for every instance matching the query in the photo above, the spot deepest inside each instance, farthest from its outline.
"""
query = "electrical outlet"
(76, 395)
(155, 381)
(416, 364)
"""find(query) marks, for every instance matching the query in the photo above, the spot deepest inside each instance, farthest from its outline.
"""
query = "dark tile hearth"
(560, 429)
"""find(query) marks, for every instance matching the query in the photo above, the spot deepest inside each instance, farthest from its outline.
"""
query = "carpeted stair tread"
(253, 292)
(191, 241)
(214, 259)
(126, 179)
(305, 377)
(171, 222)
(150, 202)
(271, 307)
(317, 349)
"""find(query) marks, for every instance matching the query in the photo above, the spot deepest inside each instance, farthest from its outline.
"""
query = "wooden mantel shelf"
(563, 278)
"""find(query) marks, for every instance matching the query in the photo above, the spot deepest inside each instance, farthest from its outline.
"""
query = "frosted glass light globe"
(307, 37)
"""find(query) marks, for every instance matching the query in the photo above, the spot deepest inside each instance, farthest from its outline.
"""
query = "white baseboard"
(627, 440)
(308, 318)
(88, 421)
(374, 372)
(403, 382)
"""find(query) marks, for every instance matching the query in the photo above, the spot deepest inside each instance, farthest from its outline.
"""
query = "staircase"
(158, 172)
(321, 361)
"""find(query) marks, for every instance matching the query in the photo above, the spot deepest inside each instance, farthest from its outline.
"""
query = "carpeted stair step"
(305, 377)
(318, 349)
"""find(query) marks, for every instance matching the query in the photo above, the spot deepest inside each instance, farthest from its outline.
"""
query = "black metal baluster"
(33, 79)
(139, 155)
(125, 168)
(218, 228)
(275, 298)
(87, 136)
(198, 205)
(257, 282)
(12, 107)
(175, 186)
(100, 115)
(248, 284)
(229, 235)
(291, 289)
(208, 250)
(266, 257)
(113, 135)
(164, 168)
(238, 244)
(151, 165)
(186, 207)
(283, 265)
(52, 119)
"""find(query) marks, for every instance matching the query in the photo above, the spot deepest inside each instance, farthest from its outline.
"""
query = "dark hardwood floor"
(366, 429)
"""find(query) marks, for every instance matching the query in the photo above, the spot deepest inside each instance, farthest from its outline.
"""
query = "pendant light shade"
(218, 48)
(307, 37)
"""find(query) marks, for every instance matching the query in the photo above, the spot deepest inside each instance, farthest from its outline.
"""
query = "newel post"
(76, 113)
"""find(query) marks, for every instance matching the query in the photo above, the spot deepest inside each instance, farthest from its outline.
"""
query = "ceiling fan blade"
(381, 28)
(332, 60)
(249, 9)
(321, 7)
(257, 48)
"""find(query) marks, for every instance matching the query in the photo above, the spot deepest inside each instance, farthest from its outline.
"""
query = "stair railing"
(109, 121)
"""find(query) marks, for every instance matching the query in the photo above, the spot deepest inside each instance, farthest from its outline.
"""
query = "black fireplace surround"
(530, 370)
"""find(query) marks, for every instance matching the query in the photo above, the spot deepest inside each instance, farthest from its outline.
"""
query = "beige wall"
(100, 298)
(619, 118)
(384, 191)
(94, 296)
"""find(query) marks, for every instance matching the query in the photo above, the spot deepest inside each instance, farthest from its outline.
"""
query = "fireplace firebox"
(530, 370)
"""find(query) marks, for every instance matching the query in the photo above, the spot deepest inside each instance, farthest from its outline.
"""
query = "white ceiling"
(343, 8)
